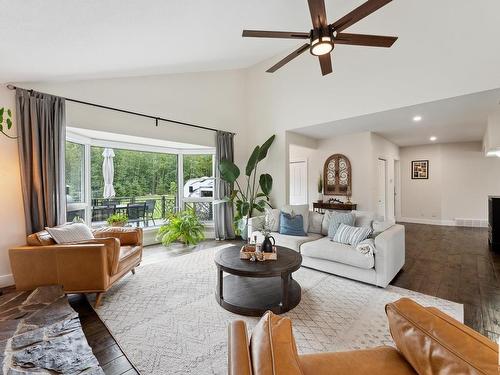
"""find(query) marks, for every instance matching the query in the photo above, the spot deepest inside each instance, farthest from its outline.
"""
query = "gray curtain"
(223, 212)
(41, 126)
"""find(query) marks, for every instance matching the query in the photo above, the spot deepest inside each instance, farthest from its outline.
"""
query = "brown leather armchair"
(428, 342)
(91, 266)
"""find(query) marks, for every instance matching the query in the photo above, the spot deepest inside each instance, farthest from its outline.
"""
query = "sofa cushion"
(291, 225)
(434, 343)
(300, 209)
(351, 235)
(324, 248)
(363, 218)
(315, 222)
(272, 347)
(291, 242)
(126, 251)
(336, 220)
(70, 233)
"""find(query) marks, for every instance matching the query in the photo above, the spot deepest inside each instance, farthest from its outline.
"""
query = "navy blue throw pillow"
(291, 225)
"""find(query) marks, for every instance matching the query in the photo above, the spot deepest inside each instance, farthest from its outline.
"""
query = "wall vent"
(472, 223)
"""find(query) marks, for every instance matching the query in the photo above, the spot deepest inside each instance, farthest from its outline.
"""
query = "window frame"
(89, 142)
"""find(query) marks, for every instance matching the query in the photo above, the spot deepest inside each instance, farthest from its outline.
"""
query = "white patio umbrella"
(108, 172)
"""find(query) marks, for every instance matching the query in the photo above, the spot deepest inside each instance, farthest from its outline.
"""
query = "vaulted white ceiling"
(75, 39)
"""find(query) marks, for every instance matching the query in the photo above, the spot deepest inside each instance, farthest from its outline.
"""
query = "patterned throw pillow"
(292, 225)
(70, 233)
(338, 219)
(350, 235)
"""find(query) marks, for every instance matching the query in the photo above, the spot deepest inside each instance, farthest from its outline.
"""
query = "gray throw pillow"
(336, 220)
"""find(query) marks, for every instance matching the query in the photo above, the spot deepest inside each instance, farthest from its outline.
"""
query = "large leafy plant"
(252, 196)
(183, 226)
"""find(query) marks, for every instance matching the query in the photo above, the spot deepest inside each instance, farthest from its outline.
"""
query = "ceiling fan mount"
(323, 36)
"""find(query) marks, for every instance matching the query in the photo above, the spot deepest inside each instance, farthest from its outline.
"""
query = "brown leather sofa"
(428, 342)
(90, 266)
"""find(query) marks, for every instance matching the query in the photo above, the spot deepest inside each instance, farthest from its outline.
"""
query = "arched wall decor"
(337, 175)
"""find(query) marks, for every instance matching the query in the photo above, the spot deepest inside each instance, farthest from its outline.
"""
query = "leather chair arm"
(128, 236)
(77, 267)
(238, 350)
(112, 246)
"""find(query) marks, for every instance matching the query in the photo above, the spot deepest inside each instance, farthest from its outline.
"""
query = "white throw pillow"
(272, 219)
(351, 235)
(300, 209)
(315, 222)
(363, 218)
(70, 233)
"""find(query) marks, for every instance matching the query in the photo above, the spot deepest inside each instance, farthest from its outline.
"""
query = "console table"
(322, 206)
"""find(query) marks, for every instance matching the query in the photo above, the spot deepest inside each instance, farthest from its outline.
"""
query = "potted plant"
(320, 188)
(117, 220)
(249, 198)
(6, 122)
(183, 226)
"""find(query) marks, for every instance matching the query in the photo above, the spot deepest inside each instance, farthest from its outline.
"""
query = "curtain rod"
(156, 118)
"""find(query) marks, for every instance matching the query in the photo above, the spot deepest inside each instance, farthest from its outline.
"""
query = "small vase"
(267, 246)
(243, 228)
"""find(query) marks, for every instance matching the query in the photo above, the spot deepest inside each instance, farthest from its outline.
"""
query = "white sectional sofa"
(320, 253)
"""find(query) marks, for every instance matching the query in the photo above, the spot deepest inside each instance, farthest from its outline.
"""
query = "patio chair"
(101, 213)
(150, 210)
(136, 213)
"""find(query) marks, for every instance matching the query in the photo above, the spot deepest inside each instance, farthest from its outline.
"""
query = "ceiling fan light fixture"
(321, 46)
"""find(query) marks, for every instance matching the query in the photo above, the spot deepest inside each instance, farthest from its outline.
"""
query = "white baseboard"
(450, 223)
(6, 280)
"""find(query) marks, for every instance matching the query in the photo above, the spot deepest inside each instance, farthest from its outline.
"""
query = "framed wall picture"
(420, 169)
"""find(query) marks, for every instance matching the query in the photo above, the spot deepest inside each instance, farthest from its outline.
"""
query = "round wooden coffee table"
(252, 288)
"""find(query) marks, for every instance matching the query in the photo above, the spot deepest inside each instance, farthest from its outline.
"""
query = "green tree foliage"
(137, 173)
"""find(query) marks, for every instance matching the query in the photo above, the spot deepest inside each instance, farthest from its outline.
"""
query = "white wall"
(213, 99)
(460, 180)
(11, 201)
(363, 150)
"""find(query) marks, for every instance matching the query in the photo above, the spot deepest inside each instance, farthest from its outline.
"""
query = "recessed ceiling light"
(433, 138)
(417, 118)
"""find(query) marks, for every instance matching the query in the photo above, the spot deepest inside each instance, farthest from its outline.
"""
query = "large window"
(149, 182)
(75, 181)
(198, 184)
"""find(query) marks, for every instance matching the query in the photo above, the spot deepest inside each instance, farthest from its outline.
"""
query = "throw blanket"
(366, 247)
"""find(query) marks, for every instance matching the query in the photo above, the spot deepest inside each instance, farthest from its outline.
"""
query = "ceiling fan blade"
(289, 58)
(358, 14)
(318, 14)
(365, 40)
(326, 64)
(274, 34)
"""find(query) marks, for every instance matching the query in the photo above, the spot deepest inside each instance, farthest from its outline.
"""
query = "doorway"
(382, 188)
(298, 182)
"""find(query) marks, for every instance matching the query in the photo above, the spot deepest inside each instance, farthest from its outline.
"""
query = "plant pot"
(118, 224)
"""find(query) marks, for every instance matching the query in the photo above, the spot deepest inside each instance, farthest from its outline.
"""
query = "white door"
(298, 182)
(381, 188)
(397, 190)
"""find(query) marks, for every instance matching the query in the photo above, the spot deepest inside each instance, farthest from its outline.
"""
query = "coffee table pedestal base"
(254, 296)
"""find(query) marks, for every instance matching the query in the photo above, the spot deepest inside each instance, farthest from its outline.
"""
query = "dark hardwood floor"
(455, 263)
(447, 262)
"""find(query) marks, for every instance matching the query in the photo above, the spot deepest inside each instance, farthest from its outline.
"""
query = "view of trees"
(137, 173)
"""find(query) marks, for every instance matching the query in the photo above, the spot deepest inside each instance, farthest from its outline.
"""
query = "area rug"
(167, 320)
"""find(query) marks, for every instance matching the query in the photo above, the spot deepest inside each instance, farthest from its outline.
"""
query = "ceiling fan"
(323, 37)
